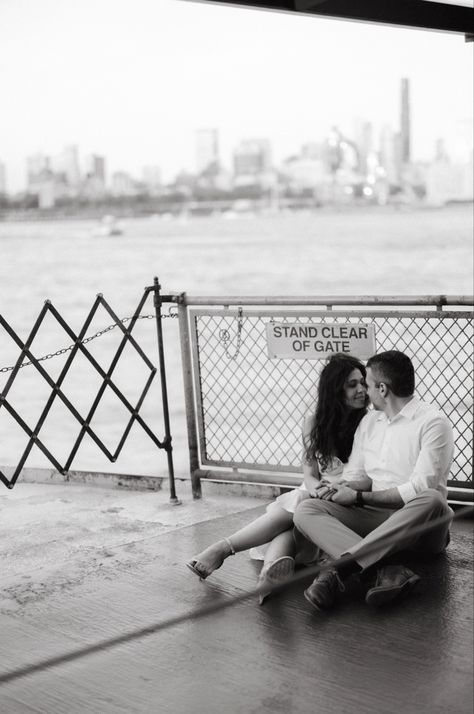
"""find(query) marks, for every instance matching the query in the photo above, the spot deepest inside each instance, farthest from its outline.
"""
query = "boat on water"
(109, 226)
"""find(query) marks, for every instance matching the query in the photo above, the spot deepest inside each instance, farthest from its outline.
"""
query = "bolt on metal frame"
(244, 410)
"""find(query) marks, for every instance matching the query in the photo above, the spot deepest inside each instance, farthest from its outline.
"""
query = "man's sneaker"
(322, 592)
(392, 583)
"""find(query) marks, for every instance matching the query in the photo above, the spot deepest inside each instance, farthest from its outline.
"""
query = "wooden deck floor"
(283, 657)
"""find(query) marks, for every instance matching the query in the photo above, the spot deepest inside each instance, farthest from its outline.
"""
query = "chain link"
(63, 350)
(224, 337)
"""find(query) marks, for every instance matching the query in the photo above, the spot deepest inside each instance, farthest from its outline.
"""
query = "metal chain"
(87, 339)
(224, 337)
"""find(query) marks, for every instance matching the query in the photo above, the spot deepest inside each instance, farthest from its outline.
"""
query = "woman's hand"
(324, 491)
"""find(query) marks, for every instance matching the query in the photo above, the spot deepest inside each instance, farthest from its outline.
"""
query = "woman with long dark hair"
(327, 442)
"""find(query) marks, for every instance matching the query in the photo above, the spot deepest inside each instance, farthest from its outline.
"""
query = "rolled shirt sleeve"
(434, 459)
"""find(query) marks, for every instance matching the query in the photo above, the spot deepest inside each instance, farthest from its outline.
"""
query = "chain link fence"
(250, 407)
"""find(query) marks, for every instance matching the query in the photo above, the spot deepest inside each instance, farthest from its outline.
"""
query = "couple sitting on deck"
(371, 479)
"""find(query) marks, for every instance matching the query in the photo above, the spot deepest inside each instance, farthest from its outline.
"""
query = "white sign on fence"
(296, 340)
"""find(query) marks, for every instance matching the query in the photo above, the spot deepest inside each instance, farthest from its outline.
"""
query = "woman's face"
(355, 390)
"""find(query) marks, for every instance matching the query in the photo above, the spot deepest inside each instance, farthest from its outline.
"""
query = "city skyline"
(390, 151)
(75, 165)
(335, 168)
(135, 82)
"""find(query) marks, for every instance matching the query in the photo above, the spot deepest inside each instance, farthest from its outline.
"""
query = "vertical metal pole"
(188, 397)
(164, 392)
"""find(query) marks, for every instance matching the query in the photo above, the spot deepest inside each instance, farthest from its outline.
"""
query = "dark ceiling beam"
(407, 13)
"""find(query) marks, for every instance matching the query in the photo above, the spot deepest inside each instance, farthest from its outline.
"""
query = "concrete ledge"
(240, 488)
(91, 478)
(280, 482)
(228, 483)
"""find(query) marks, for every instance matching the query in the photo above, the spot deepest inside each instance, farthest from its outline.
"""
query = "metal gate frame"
(78, 346)
(190, 307)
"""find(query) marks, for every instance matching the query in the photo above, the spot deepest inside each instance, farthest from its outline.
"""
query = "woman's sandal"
(203, 574)
(277, 572)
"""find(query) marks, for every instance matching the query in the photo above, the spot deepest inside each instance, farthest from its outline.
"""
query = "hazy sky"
(134, 79)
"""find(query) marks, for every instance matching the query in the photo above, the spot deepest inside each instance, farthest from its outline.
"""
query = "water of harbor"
(379, 251)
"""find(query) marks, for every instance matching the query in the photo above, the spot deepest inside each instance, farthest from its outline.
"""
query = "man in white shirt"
(395, 481)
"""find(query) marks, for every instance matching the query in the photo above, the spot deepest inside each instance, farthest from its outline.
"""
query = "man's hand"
(337, 492)
(344, 495)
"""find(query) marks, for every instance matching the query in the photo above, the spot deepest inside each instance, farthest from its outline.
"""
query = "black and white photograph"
(236, 357)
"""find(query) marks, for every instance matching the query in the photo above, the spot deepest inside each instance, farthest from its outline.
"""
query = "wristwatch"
(359, 498)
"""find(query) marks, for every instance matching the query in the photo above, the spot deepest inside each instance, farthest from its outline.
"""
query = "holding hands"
(336, 491)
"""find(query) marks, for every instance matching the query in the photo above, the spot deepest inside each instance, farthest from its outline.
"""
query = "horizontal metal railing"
(429, 300)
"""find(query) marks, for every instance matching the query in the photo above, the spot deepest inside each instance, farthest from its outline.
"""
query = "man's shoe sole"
(382, 596)
(313, 603)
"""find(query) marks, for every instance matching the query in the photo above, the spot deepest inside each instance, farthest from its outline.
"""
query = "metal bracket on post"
(157, 301)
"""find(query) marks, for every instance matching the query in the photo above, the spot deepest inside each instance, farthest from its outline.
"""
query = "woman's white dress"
(289, 501)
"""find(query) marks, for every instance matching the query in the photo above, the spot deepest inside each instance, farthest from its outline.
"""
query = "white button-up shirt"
(411, 452)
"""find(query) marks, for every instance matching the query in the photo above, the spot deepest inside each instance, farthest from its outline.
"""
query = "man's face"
(373, 391)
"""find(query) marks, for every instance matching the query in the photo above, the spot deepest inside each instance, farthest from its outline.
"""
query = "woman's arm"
(311, 476)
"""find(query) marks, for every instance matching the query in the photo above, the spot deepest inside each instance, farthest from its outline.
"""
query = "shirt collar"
(408, 411)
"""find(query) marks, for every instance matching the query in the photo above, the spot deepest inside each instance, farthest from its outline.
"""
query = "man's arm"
(347, 496)
(434, 459)
(432, 465)
(326, 488)
(364, 483)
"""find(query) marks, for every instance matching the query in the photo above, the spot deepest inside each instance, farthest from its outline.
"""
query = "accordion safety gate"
(245, 408)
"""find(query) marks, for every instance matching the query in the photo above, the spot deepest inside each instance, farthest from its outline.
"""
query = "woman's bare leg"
(283, 544)
(279, 564)
(260, 531)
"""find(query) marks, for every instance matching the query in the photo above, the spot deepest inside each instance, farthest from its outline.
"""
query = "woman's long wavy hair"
(334, 423)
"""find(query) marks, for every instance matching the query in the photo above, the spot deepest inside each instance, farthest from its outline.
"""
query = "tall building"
(41, 180)
(207, 151)
(69, 161)
(252, 157)
(122, 184)
(3, 179)
(405, 143)
(94, 185)
(388, 154)
(151, 176)
(95, 168)
(38, 167)
(364, 139)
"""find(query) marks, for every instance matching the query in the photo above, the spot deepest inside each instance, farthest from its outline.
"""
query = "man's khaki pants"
(369, 534)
